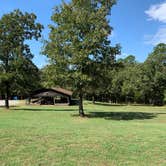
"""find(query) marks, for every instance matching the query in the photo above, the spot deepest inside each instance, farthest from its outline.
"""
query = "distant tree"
(116, 88)
(123, 80)
(154, 77)
(129, 60)
(131, 87)
(79, 38)
(15, 29)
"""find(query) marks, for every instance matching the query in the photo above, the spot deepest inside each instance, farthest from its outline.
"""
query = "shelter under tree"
(51, 96)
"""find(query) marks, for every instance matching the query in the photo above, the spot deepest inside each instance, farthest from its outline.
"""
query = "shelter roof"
(52, 92)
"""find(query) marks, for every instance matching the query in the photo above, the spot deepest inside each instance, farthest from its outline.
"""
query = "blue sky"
(138, 24)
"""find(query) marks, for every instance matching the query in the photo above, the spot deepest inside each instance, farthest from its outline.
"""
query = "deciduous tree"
(15, 29)
(78, 38)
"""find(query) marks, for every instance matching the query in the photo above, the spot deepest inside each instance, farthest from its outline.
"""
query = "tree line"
(81, 57)
(135, 82)
(124, 81)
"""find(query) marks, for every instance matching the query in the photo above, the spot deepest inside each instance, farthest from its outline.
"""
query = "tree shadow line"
(122, 115)
(100, 114)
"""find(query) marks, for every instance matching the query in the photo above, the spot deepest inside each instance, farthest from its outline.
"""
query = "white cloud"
(159, 37)
(157, 12)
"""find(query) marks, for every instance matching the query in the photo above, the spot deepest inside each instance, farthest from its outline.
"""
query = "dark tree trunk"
(7, 96)
(93, 99)
(7, 84)
(81, 110)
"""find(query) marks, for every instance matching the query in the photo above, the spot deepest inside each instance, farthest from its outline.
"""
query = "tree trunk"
(81, 110)
(93, 99)
(7, 96)
(7, 85)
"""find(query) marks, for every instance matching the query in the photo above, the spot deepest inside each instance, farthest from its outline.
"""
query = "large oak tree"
(15, 29)
(79, 38)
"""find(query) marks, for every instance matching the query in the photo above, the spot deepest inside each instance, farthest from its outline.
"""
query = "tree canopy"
(78, 40)
(141, 82)
(15, 55)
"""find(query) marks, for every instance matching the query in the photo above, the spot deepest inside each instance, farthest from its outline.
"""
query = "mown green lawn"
(108, 136)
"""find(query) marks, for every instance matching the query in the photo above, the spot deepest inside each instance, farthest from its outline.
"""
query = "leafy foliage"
(17, 70)
(78, 43)
(141, 82)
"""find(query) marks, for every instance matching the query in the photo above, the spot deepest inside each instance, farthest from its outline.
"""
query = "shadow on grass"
(43, 109)
(121, 115)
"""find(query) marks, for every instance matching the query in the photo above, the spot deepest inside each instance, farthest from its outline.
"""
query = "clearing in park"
(109, 135)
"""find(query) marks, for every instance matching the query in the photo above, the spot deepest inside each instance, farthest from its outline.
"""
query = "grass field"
(108, 136)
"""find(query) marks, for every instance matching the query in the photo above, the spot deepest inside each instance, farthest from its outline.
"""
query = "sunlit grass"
(108, 135)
